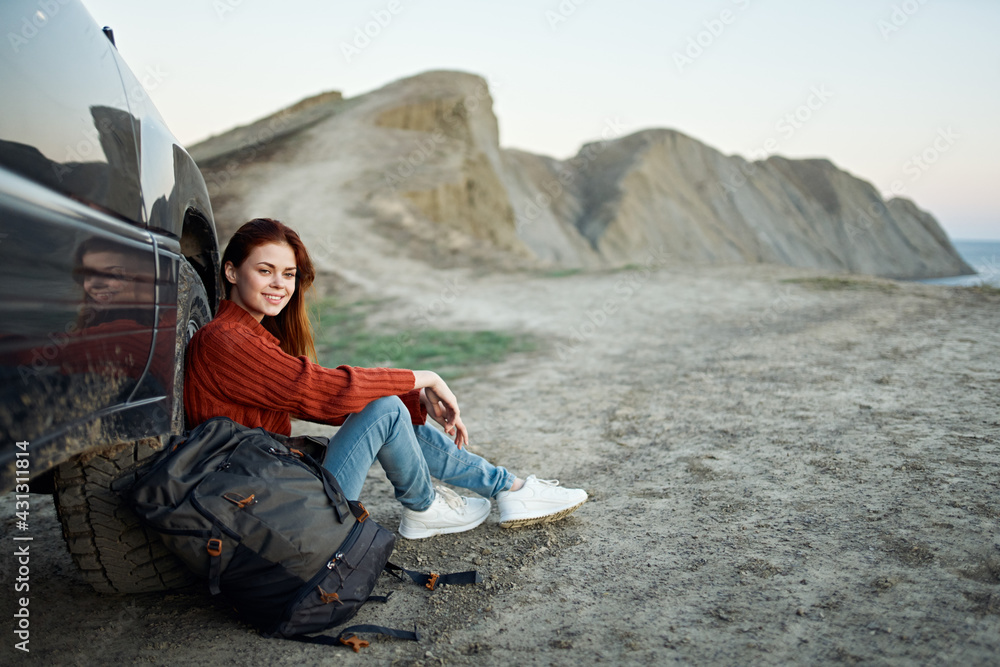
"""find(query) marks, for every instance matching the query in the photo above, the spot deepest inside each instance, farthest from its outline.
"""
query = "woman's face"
(264, 283)
(107, 278)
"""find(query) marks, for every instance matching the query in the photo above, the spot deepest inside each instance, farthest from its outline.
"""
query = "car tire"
(113, 550)
(193, 312)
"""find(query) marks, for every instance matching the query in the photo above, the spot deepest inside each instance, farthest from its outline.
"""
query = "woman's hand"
(441, 405)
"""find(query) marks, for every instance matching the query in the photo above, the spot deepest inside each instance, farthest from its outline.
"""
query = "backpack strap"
(214, 548)
(431, 580)
(380, 598)
(336, 496)
(331, 486)
(347, 636)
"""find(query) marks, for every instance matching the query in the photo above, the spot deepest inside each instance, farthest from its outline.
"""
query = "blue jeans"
(410, 456)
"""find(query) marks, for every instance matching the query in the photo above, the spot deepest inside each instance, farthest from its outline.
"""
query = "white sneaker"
(538, 501)
(449, 513)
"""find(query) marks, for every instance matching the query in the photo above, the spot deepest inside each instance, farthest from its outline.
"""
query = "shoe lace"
(450, 497)
(548, 482)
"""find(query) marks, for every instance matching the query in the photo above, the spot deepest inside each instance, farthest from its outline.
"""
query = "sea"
(983, 256)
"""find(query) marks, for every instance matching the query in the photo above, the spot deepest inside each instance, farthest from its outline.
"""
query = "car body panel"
(99, 204)
(79, 137)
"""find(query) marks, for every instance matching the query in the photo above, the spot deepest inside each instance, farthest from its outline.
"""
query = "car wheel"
(115, 553)
(193, 312)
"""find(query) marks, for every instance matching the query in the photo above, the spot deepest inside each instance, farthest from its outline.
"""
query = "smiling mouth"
(274, 298)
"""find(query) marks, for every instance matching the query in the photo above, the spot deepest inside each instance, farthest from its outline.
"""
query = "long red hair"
(291, 326)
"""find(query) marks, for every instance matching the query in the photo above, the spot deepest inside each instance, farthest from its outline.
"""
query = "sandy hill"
(414, 171)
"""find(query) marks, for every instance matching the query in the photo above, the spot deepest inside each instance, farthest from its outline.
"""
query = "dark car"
(109, 260)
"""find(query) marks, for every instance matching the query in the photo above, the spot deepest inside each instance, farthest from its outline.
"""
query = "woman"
(253, 364)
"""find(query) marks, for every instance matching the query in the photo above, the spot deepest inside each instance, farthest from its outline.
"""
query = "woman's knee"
(391, 405)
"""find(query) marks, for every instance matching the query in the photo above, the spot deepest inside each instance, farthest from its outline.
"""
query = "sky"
(901, 93)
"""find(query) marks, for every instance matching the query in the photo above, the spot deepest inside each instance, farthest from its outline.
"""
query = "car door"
(78, 268)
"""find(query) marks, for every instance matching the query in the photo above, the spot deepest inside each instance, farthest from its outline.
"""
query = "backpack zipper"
(352, 537)
(295, 459)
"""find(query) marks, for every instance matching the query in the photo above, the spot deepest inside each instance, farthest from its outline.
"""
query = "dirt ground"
(783, 468)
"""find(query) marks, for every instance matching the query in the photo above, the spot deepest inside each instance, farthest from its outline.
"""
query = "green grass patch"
(344, 337)
(561, 273)
(837, 283)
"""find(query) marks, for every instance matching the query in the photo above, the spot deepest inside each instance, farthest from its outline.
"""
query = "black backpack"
(270, 529)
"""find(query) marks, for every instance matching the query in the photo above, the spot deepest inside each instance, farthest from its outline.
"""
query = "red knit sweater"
(235, 368)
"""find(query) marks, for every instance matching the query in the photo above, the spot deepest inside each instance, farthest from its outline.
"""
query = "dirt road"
(780, 472)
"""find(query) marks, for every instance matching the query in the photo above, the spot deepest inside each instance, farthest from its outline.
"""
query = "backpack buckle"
(432, 580)
(354, 643)
(327, 598)
(214, 547)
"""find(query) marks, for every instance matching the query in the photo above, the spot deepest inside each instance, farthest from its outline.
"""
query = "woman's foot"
(449, 513)
(537, 501)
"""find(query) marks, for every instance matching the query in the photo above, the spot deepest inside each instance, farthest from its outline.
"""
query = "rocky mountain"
(418, 163)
